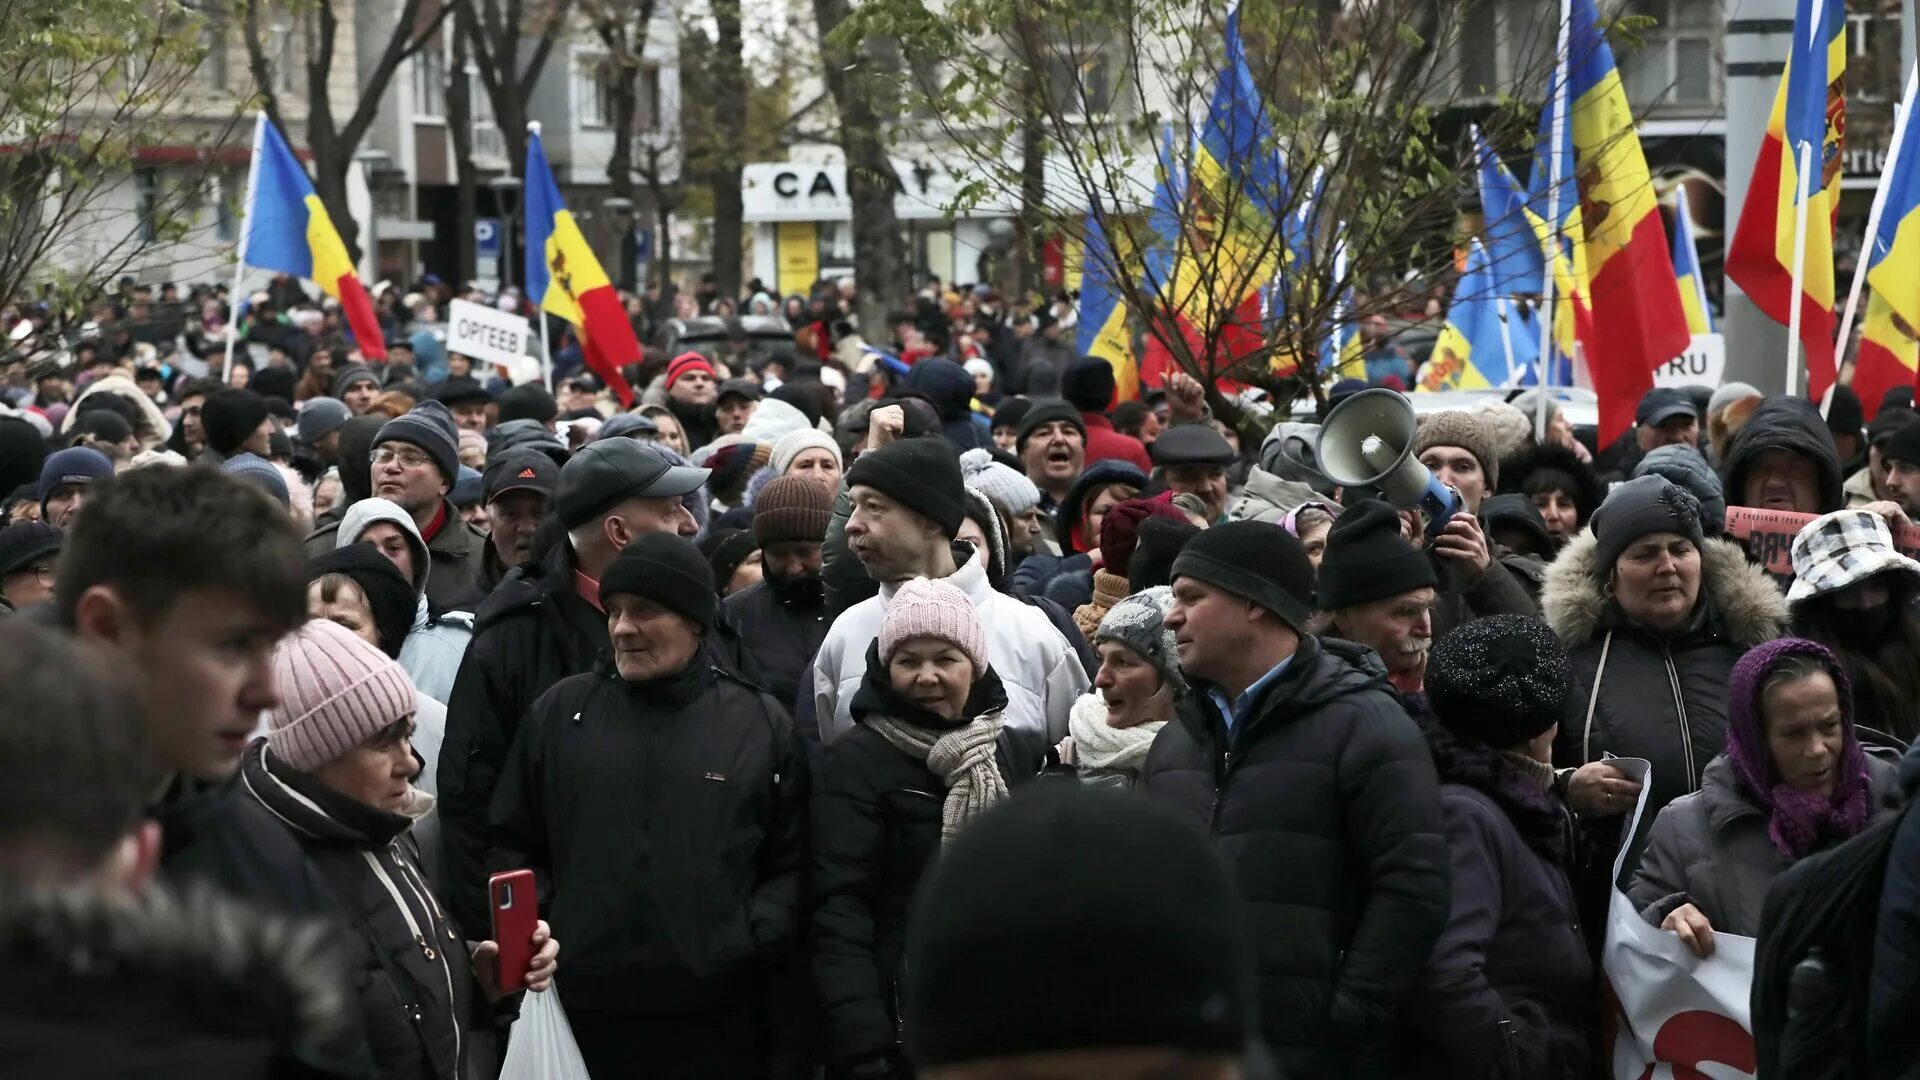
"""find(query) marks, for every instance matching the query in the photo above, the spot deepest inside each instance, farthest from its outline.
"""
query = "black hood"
(1785, 423)
(356, 464)
(946, 385)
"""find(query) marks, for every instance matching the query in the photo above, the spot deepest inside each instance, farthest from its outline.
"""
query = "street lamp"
(622, 211)
(506, 196)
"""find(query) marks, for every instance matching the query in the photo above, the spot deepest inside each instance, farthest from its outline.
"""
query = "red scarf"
(433, 527)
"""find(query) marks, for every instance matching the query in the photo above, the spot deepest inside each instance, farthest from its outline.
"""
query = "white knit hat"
(1009, 489)
(935, 609)
(794, 443)
(336, 692)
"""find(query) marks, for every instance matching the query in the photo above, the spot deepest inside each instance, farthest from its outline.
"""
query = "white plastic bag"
(541, 1046)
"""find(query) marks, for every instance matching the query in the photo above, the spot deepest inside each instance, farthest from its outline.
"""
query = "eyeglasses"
(44, 571)
(408, 459)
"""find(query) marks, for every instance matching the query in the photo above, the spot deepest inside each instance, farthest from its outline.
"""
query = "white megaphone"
(1367, 441)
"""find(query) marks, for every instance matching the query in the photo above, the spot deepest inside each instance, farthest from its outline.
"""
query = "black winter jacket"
(876, 826)
(666, 824)
(1893, 1009)
(533, 631)
(1785, 423)
(1325, 803)
(408, 965)
(782, 632)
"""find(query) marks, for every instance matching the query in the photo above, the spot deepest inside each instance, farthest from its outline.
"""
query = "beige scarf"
(963, 759)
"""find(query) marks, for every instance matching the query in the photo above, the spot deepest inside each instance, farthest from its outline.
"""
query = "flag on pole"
(1889, 345)
(1469, 354)
(1809, 107)
(1513, 245)
(288, 231)
(565, 279)
(1546, 201)
(1686, 265)
(1637, 321)
(1102, 326)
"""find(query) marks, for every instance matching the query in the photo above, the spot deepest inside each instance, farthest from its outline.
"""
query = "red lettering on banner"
(1696, 1037)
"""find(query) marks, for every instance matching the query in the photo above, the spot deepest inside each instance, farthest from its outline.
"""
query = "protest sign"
(1768, 537)
(486, 334)
(1703, 364)
(1674, 1013)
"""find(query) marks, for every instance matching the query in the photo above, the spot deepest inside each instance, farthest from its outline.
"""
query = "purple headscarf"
(1800, 820)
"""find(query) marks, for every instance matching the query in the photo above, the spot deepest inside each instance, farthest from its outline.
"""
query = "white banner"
(1703, 364)
(1676, 1015)
(486, 334)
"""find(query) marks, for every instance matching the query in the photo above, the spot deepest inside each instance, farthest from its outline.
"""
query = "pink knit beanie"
(336, 692)
(935, 609)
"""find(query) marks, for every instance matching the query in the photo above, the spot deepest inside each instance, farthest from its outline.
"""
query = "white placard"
(1703, 364)
(486, 334)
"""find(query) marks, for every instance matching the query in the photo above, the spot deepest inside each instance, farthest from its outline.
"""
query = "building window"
(290, 28)
(647, 110)
(1678, 60)
(592, 92)
(230, 188)
(1080, 78)
(430, 82)
(146, 187)
(213, 43)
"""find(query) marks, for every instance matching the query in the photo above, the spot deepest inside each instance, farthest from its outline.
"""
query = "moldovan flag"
(564, 278)
(1469, 353)
(1809, 107)
(1102, 327)
(1888, 349)
(288, 231)
(1686, 264)
(1638, 323)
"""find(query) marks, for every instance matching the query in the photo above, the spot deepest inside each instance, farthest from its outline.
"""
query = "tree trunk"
(730, 79)
(1030, 230)
(862, 86)
(330, 183)
(466, 177)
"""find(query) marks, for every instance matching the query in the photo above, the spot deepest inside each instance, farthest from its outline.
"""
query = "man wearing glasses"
(416, 459)
(29, 554)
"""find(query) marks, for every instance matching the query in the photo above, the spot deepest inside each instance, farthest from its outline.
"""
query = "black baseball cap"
(607, 473)
(745, 388)
(522, 470)
(1663, 403)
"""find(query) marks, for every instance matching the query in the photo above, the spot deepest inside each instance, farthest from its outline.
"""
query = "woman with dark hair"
(1793, 780)
(1563, 488)
(1858, 596)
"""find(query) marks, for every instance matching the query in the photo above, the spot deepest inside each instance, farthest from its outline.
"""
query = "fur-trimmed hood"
(1747, 604)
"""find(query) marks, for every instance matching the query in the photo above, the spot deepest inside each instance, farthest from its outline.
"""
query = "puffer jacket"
(1785, 423)
(1643, 696)
(1268, 498)
(1711, 849)
(150, 426)
(1325, 803)
(876, 826)
(782, 632)
(409, 964)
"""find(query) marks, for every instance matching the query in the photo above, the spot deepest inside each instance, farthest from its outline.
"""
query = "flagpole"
(1879, 205)
(539, 306)
(240, 248)
(1799, 267)
(1558, 131)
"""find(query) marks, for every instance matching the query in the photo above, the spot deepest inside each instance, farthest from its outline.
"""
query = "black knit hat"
(1134, 936)
(229, 416)
(1012, 412)
(1649, 504)
(24, 541)
(1366, 560)
(1088, 385)
(1256, 561)
(668, 570)
(1845, 414)
(1903, 444)
(528, 401)
(725, 550)
(1046, 412)
(922, 475)
(1154, 550)
(431, 428)
(390, 596)
(1500, 680)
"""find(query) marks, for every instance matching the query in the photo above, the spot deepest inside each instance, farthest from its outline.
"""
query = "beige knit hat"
(1458, 427)
(336, 692)
(935, 609)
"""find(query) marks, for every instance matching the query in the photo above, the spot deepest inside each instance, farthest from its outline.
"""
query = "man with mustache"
(1380, 590)
(783, 617)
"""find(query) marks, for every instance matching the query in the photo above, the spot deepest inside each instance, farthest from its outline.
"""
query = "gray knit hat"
(430, 427)
(1457, 427)
(1139, 623)
(1683, 465)
(1650, 504)
(1009, 489)
(320, 417)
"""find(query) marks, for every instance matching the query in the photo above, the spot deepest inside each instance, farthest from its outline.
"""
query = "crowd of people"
(917, 709)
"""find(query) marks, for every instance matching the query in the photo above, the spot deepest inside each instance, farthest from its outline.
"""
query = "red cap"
(685, 362)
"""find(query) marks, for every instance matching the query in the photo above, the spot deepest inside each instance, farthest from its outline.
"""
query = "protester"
(1135, 692)
(1561, 486)
(67, 480)
(1666, 416)
(1068, 577)
(808, 451)
(1783, 459)
(949, 389)
(436, 639)
(518, 491)
(927, 719)
(1053, 447)
(691, 394)
(783, 617)
(1327, 811)
(1686, 468)
(1793, 780)
(357, 387)
(908, 503)
(1855, 594)
(676, 901)
(318, 427)
(1193, 459)
(1135, 962)
(1089, 387)
(1869, 483)
(734, 404)
(1380, 591)
(1654, 615)
(1476, 577)
(235, 421)
(337, 770)
(1014, 496)
(1509, 989)
(1119, 534)
(543, 623)
(29, 558)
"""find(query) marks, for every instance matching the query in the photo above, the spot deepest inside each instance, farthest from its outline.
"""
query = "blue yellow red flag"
(565, 279)
(1686, 267)
(1470, 353)
(1102, 326)
(289, 231)
(1513, 245)
(1890, 338)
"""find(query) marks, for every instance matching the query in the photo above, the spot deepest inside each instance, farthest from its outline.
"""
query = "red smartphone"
(515, 906)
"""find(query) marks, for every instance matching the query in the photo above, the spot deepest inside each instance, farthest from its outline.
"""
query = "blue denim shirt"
(1233, 712)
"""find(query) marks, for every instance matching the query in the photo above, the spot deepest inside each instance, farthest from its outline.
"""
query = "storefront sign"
(793, 191)
(797, 247)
